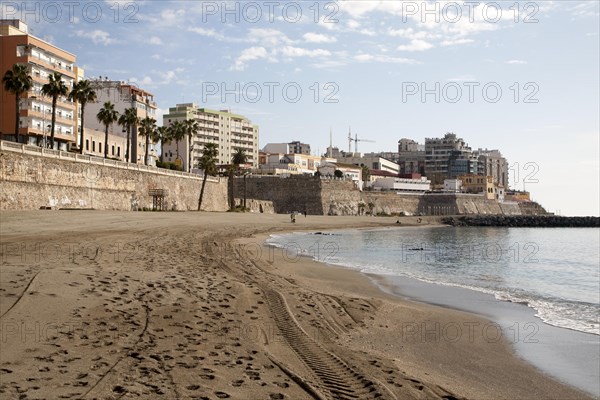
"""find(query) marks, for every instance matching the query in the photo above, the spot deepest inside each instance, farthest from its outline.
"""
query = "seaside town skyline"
(299, 200)
(295, 56)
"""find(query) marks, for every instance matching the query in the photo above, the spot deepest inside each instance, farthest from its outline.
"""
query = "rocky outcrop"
(547, 221)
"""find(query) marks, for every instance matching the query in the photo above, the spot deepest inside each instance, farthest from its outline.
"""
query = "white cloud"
(367, 32)
(353, 24)
(267, 37)
(463, 78)
(318, 38)
(207, 32)
(382, 58)
(290, 51)
(249, 54)
(155, 40)
(455, 42)
(97, 36)
(518, 62)
(146, 80)
(585, 9)
(415, 45)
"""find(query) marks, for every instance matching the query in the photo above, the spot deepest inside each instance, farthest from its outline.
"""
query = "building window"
(93, 146)
(113, 150)
(87, 144)
(118, 151)
(100, 147)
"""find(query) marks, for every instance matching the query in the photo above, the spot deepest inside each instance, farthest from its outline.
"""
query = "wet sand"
(116, 305)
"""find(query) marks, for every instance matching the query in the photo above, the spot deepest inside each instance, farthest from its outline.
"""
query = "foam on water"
(506, 281)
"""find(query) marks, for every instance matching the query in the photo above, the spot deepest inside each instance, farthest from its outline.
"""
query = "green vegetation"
(17, 81)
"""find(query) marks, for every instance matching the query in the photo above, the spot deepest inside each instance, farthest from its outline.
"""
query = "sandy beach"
(123, 305)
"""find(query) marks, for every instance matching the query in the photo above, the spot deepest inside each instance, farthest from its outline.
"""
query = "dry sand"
(116, 305)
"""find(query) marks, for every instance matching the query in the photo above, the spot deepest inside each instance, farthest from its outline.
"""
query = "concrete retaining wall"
(28, 182)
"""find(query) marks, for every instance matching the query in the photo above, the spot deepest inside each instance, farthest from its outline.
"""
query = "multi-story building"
(17, 46)
(122, 95)
(492, 163)
(227, 130)
(94, 144)
(288, 148)
(289, 164)
(371, 161)
(462, 163)
(439, 151)
(409, 145)
(482, 184)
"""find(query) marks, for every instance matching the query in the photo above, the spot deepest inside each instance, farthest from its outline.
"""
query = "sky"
(521, 77)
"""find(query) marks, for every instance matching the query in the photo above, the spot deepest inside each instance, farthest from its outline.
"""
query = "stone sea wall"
(340, 197)
(28, 182)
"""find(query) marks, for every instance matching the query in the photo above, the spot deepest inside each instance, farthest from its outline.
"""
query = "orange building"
(42, 59)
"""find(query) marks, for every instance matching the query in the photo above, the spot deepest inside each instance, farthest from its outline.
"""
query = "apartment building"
(17, 46)
(123, 95)
(227, 130)
(295, 147)
(447, 155)
(492, 163)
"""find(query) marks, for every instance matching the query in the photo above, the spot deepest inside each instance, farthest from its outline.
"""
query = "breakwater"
(538, 221)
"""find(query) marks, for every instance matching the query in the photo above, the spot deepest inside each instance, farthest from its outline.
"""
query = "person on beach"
(293, 217)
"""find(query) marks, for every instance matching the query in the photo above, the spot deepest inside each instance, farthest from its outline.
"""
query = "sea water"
(553, 271)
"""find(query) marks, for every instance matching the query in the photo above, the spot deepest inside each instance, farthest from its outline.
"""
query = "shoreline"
(531, 338)
(115, 304)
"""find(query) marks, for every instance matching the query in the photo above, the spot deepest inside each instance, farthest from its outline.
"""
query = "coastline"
(550, 349)
(141, 304)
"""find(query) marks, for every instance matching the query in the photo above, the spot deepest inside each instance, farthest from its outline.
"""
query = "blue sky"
(365, 64)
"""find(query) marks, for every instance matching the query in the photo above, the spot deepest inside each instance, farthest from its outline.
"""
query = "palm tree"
(82, 93)
(178, 132)
(129, 120)
(17, 81)
(107, 116)
(55, 88)
(147, 130)
(208, 164)
(191, 128)
(164, 136)
(239, 158)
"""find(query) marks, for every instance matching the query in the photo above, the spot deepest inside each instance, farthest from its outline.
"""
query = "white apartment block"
(290, 164)
(227, 130)
(122, 95)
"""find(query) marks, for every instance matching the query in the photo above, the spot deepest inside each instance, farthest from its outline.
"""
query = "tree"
(178, 132)
(55, 88)
(338, 174)
(366, 173)
(147, 130)
(107, 116)
(191, 127)
(164, 136)
(82, 93)
(208, 164)
(129, 120)
(17, 81)
(239, 158)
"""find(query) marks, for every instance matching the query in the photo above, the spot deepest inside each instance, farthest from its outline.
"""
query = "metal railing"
(88, 159)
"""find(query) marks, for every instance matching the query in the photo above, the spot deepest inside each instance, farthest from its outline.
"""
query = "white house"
(452, 185)
(419, 185)
(350, 171)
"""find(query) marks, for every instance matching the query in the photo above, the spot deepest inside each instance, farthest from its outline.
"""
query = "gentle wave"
(575, 315)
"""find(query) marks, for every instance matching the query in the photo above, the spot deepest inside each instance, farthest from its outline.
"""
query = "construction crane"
(356, 140)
